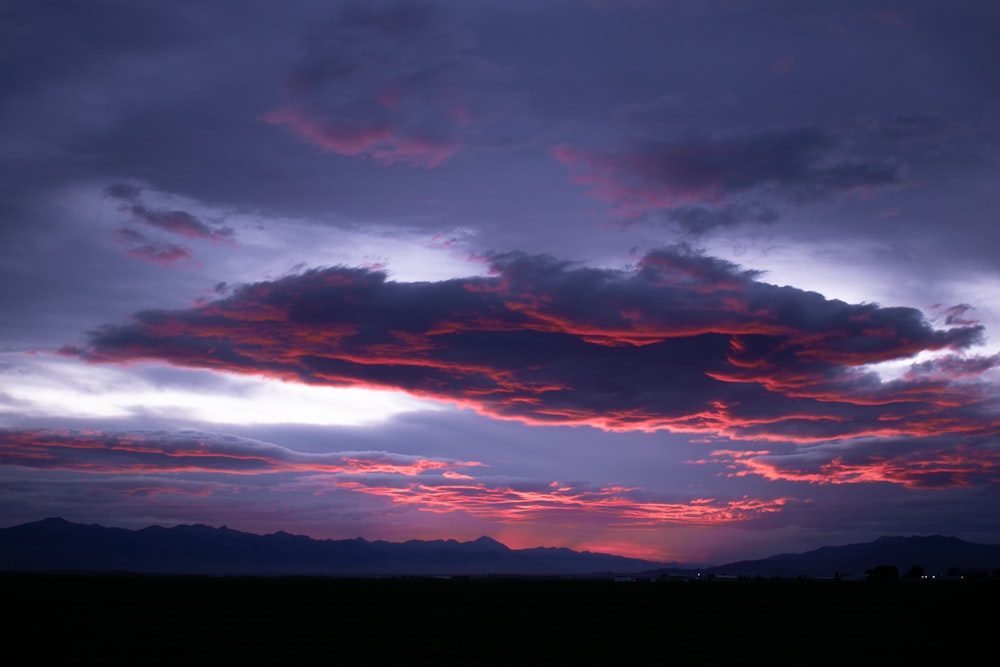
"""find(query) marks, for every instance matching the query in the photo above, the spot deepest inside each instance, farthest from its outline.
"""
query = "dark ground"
(119, 619)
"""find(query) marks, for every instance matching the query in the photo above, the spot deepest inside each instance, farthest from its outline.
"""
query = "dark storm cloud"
(680, 342)
(797, 164)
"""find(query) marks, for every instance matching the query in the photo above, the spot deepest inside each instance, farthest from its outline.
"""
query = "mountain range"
(935, 555)
(55, 544)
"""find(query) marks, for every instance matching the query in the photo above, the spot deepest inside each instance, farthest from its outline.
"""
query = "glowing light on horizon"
(52, 386)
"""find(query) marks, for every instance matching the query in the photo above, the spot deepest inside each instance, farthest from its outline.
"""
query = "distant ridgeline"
(56, 544)
(886, 558)
(59, 545)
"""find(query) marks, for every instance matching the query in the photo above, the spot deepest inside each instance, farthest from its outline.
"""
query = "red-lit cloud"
(158, 452)
(434, 485)
(512, 503)
(932, 464)
(679, 342)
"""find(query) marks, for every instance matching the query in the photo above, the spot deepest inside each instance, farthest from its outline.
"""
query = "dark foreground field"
(106, 619)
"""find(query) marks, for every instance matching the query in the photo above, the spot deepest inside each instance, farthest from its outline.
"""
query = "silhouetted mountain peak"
(488, 543)
(53, 521)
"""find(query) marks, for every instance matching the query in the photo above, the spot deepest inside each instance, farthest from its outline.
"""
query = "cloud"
(390, 81)
(680, 341)
(957, 314)
(796, 164)
(936, 462)
(382, 142)
(177, 222)
(911, 126)
(428, 484)
(148, 452)
(700, 219)
(952, 368)
(123, 191)
(569, 503)
(164, 254)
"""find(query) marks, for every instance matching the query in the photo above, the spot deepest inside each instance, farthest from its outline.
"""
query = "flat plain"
(304, 620)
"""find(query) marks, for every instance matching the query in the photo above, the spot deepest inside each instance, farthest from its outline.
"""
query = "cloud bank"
(153, 459)
(170, 452)
(679, 341)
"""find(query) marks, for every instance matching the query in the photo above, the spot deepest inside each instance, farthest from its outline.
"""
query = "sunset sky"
(692, 280)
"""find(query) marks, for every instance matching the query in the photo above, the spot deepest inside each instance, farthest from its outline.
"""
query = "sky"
(692, 280)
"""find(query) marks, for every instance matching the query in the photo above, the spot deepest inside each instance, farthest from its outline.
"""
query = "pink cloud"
(381, 141)
(923, 467)
(607, 505)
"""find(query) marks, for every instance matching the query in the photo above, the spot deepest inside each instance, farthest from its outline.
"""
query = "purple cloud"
(164, 254)
(145, 452)
(711, 176)
(181, 223)
(177, 222)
